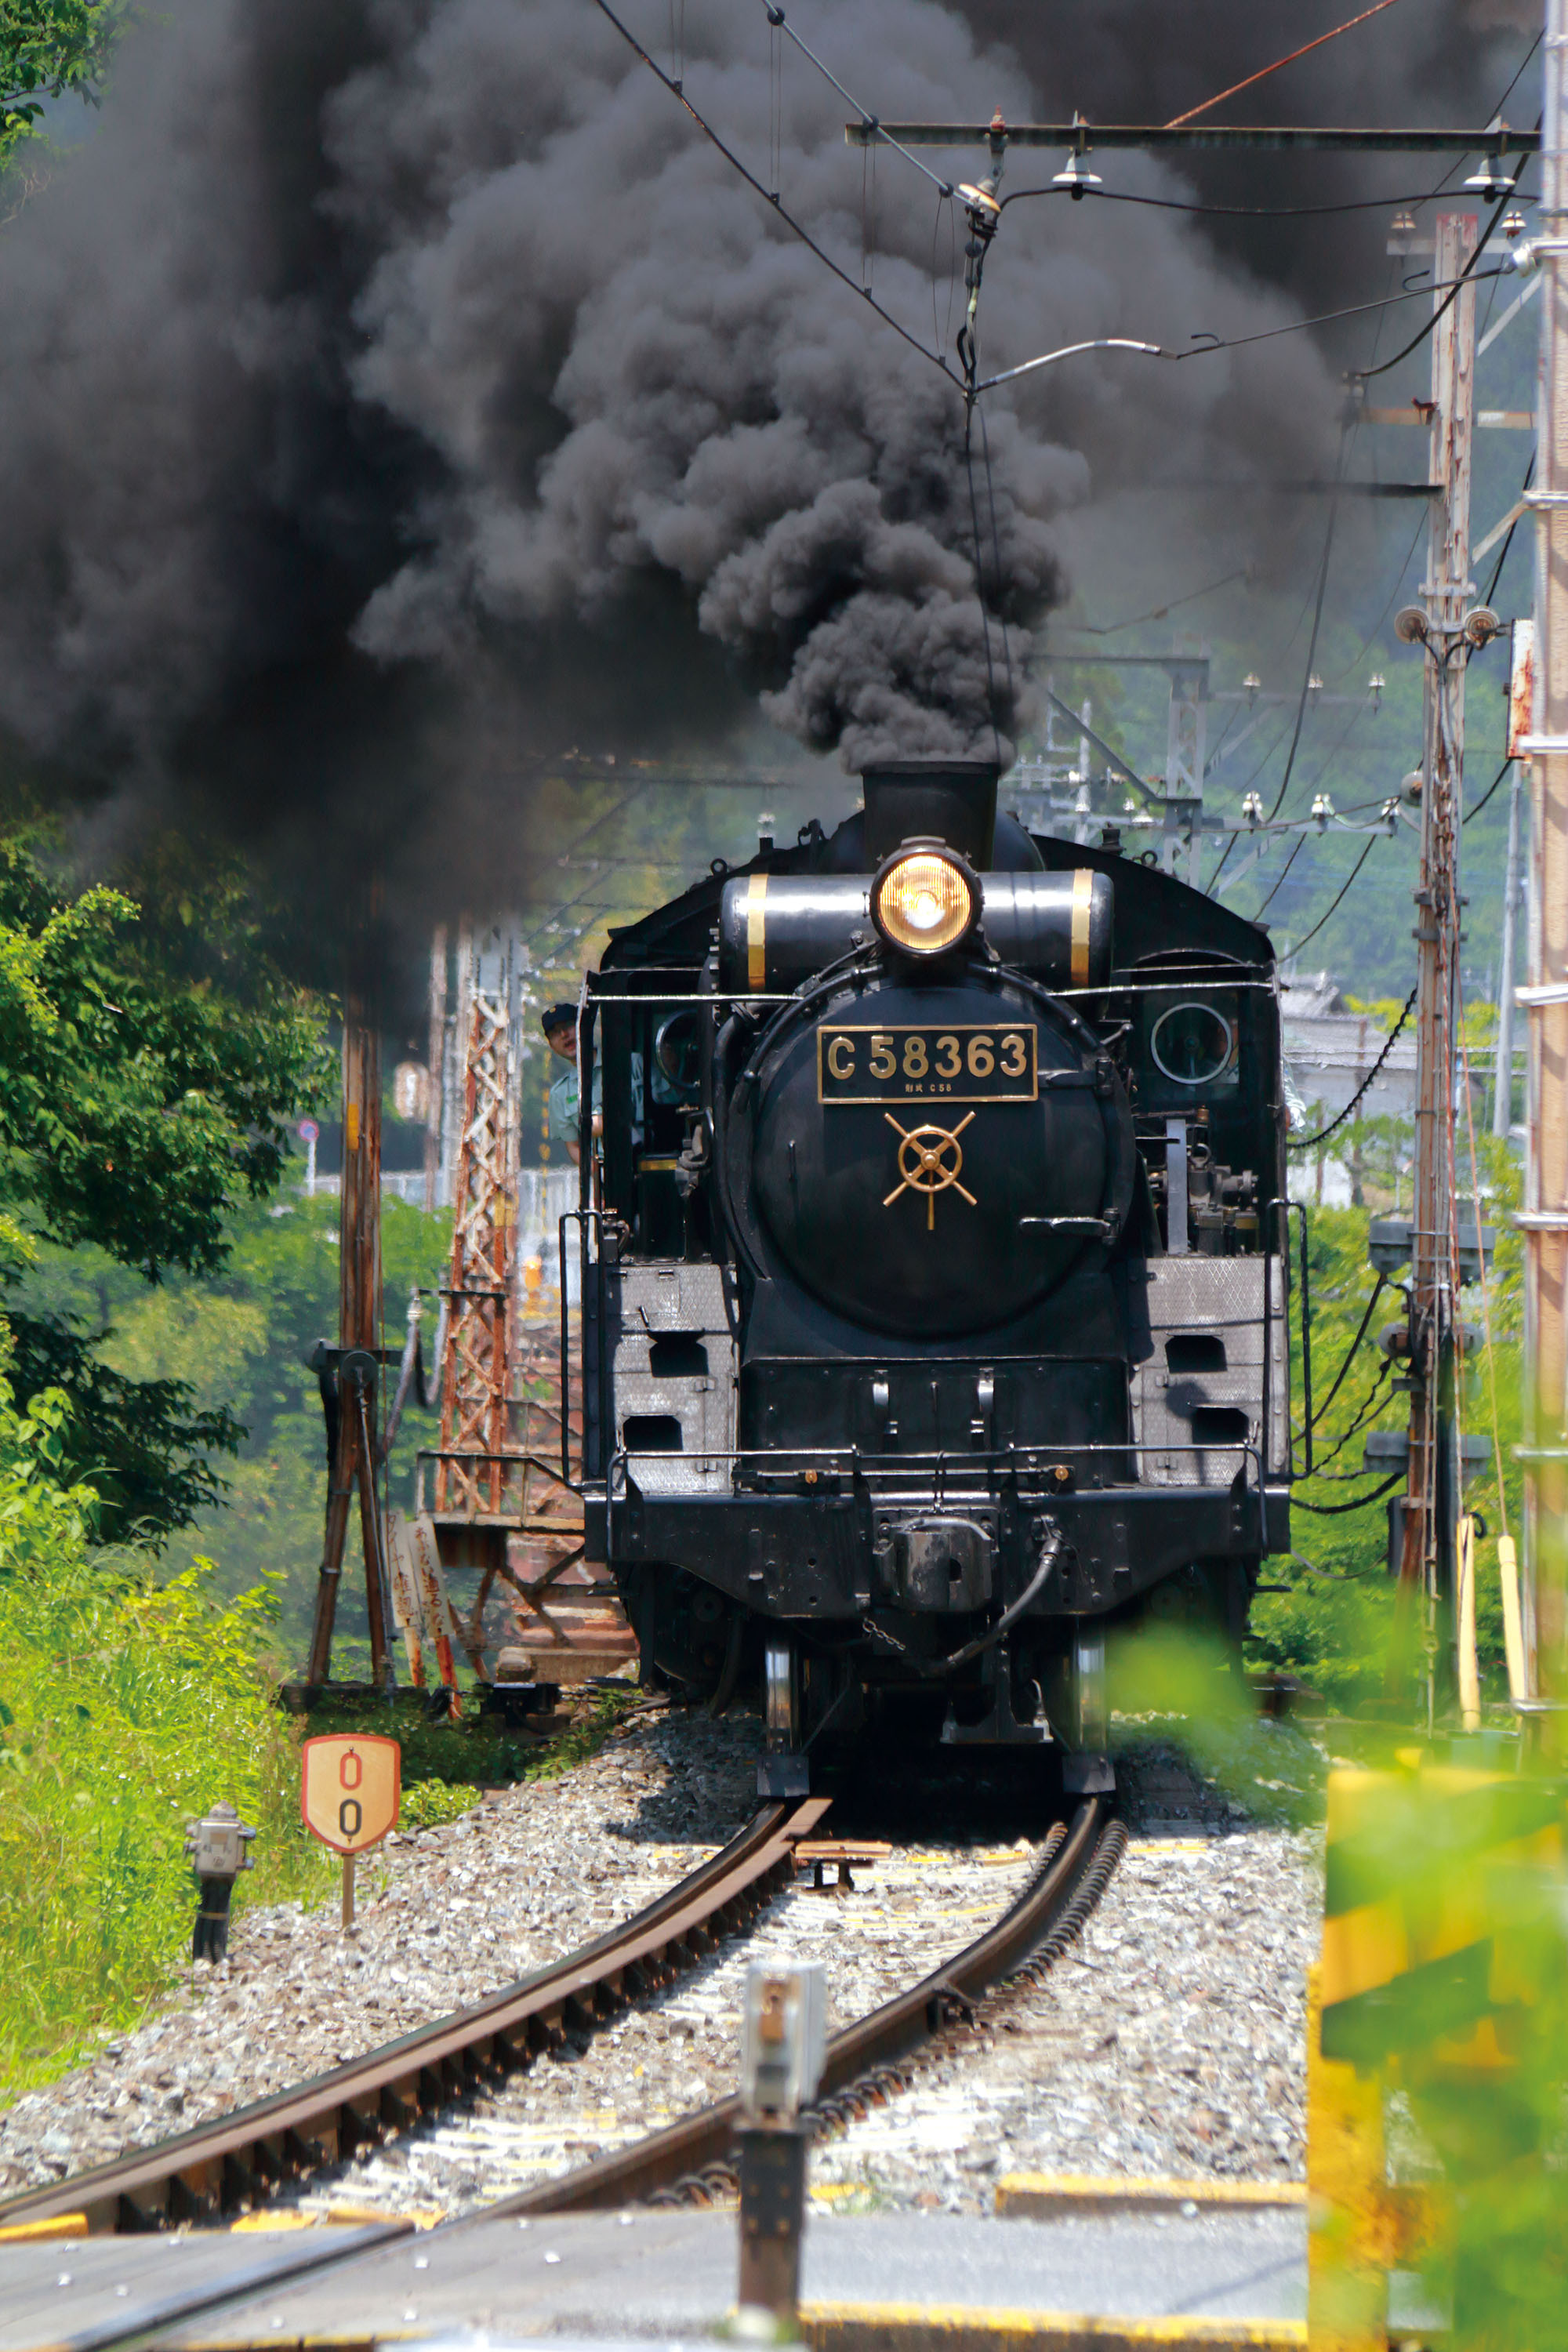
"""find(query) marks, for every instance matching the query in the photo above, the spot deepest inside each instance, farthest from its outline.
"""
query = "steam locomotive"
(934, 1262)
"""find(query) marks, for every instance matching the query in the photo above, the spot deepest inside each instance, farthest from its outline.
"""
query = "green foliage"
(445, 1765)
(1332, 1625)
(1473, 2031)
(149, 1076)
(428, 1804)
(153, 1057)
(146, 1452)
(1170, 1685)
(238, 1341)
(52, 48)
(125, 1709)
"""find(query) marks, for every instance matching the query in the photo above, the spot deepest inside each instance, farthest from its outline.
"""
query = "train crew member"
(559, 1025)
(559, 1022)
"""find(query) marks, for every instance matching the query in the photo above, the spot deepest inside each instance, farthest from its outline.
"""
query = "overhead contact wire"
(1297, 945)
(774, 202)
(869, 122)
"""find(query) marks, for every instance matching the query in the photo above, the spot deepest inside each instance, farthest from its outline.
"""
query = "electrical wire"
(869, 122)
(1347, 434)
(996, 557)
(1296, 945)
(1359, 1502)
(1465, 275)
(772, 202)
(1203, 345)
(1226, 212)
(1285, 870)
(1370, 1405)
(1367, 641)
(1507, 542)
(1114, 628)
(1519, 76)
(1379, 1286)
(1264, 71)
(1309, 1143)
(1490, 791)
(979, 582)
(1199, 349)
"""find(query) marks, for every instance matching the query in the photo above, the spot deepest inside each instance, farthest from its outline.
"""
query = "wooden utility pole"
(1545, 999)
(1502, 1090)
(1432, 1494)
(438, 1057)
(351, 1373)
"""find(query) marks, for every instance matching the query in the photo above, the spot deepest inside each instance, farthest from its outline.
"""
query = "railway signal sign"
(350, 1790)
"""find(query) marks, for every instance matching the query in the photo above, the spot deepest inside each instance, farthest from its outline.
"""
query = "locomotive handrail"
(851, 1458)
(582, 1219)
(642, 997)
(941, 1459)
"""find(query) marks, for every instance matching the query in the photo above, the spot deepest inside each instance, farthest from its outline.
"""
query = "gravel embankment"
(1169, 2039)
(445, 1918)
(682, 2051)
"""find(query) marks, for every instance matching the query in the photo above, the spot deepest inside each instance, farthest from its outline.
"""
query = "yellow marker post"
(1469, 1667)
(1513, 1625)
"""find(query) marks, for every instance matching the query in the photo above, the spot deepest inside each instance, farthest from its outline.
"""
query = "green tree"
(151, 1054)
(51, 49)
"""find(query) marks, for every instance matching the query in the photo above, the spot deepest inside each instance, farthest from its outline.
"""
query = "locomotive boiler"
(934, 1272)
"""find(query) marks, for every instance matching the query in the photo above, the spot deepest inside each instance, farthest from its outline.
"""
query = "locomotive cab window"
(1193, 1044)
(1189, 1049)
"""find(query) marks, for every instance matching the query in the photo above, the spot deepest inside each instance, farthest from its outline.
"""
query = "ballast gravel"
(444, 1917)
(907, 1913)
(1169, 2039)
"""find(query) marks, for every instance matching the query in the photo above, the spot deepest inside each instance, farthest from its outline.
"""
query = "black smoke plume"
(395, 394)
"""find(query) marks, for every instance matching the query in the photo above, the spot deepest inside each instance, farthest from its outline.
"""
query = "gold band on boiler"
(756, 933)
(1082, 902)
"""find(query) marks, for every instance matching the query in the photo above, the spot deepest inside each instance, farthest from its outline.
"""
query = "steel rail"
(874, 2042)
(238, 2160)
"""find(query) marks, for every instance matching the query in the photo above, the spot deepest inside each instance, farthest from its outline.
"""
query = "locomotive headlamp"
(924, 901)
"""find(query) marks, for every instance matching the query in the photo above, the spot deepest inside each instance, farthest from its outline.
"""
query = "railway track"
(867, 2061)
(239, 2161)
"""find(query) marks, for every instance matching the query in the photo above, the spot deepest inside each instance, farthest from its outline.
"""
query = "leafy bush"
(428, 1803)
(126, 1707)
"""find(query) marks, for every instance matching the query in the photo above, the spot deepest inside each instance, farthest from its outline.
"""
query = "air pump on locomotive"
(934, 1261)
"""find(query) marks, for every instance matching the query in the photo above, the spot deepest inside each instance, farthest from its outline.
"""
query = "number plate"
(952, 1064)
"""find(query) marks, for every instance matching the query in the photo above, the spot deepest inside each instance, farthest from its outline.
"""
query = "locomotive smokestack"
(947, 800)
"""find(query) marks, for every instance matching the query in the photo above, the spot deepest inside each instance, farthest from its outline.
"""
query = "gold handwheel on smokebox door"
(931, 1158)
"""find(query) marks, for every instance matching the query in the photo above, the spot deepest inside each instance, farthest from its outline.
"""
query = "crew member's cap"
(558, 1017)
